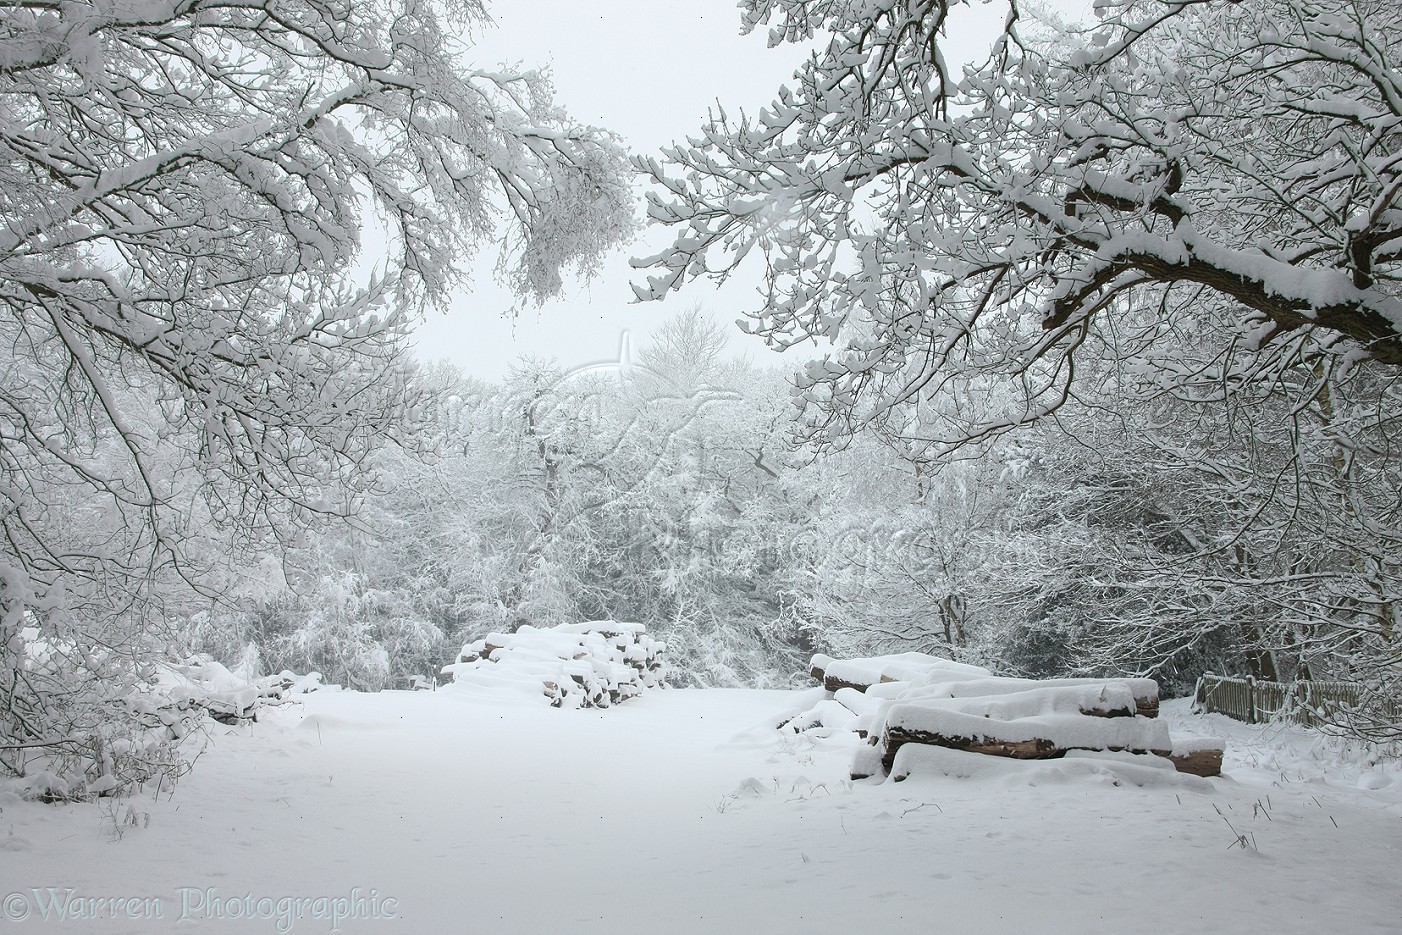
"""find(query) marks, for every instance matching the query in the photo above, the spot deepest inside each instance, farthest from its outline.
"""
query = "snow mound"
(576, 665)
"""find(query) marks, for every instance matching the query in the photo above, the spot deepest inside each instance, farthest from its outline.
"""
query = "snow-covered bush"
(575, 665)
(89, 720)
(356, 634)
(86, 720)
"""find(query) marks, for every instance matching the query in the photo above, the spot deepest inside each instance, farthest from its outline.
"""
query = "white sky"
(647, 71)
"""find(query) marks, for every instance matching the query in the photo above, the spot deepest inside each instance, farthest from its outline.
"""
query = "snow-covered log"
(1201, 756)
(932, 676)
(915, 698)
(1037, 737)
(861, 674)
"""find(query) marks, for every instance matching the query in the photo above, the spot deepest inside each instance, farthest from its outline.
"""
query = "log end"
(1198, 762)
(832, 684)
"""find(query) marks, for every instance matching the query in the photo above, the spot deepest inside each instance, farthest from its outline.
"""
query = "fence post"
(1251, 700)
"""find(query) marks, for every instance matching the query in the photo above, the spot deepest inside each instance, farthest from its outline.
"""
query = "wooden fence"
(1255, 702)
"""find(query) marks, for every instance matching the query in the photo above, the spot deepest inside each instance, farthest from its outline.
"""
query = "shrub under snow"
(86, 720)
(127, 718)
(575, 665)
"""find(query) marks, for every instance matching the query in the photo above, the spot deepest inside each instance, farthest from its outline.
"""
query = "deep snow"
(685, 811)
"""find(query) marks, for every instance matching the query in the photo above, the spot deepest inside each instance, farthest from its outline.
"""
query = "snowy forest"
(1066, 379)
(1079, 358)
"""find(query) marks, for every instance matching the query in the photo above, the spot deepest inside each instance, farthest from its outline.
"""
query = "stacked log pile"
(575, 665)
(914, 698)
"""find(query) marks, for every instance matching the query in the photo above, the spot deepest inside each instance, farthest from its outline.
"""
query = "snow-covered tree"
(1230, 166)
(1190, 206)
(186, 189)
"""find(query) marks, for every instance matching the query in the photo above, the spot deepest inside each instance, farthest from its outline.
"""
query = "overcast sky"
(647, 71)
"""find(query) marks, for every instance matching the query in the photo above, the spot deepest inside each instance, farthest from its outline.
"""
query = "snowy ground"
(681, 812)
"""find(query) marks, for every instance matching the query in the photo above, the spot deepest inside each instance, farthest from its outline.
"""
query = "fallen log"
(1201, 756)
(1041, 738)
(1203, 759)
(897, 737)
(861, 674)
(832, 683)
(1201, 763)
(867, 762)
(917, 698)
(1117, 697)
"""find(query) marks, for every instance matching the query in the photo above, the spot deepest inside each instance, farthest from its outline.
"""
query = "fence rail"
(1255, 702)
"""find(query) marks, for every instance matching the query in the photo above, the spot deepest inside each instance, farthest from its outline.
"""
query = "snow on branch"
(936, 226)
